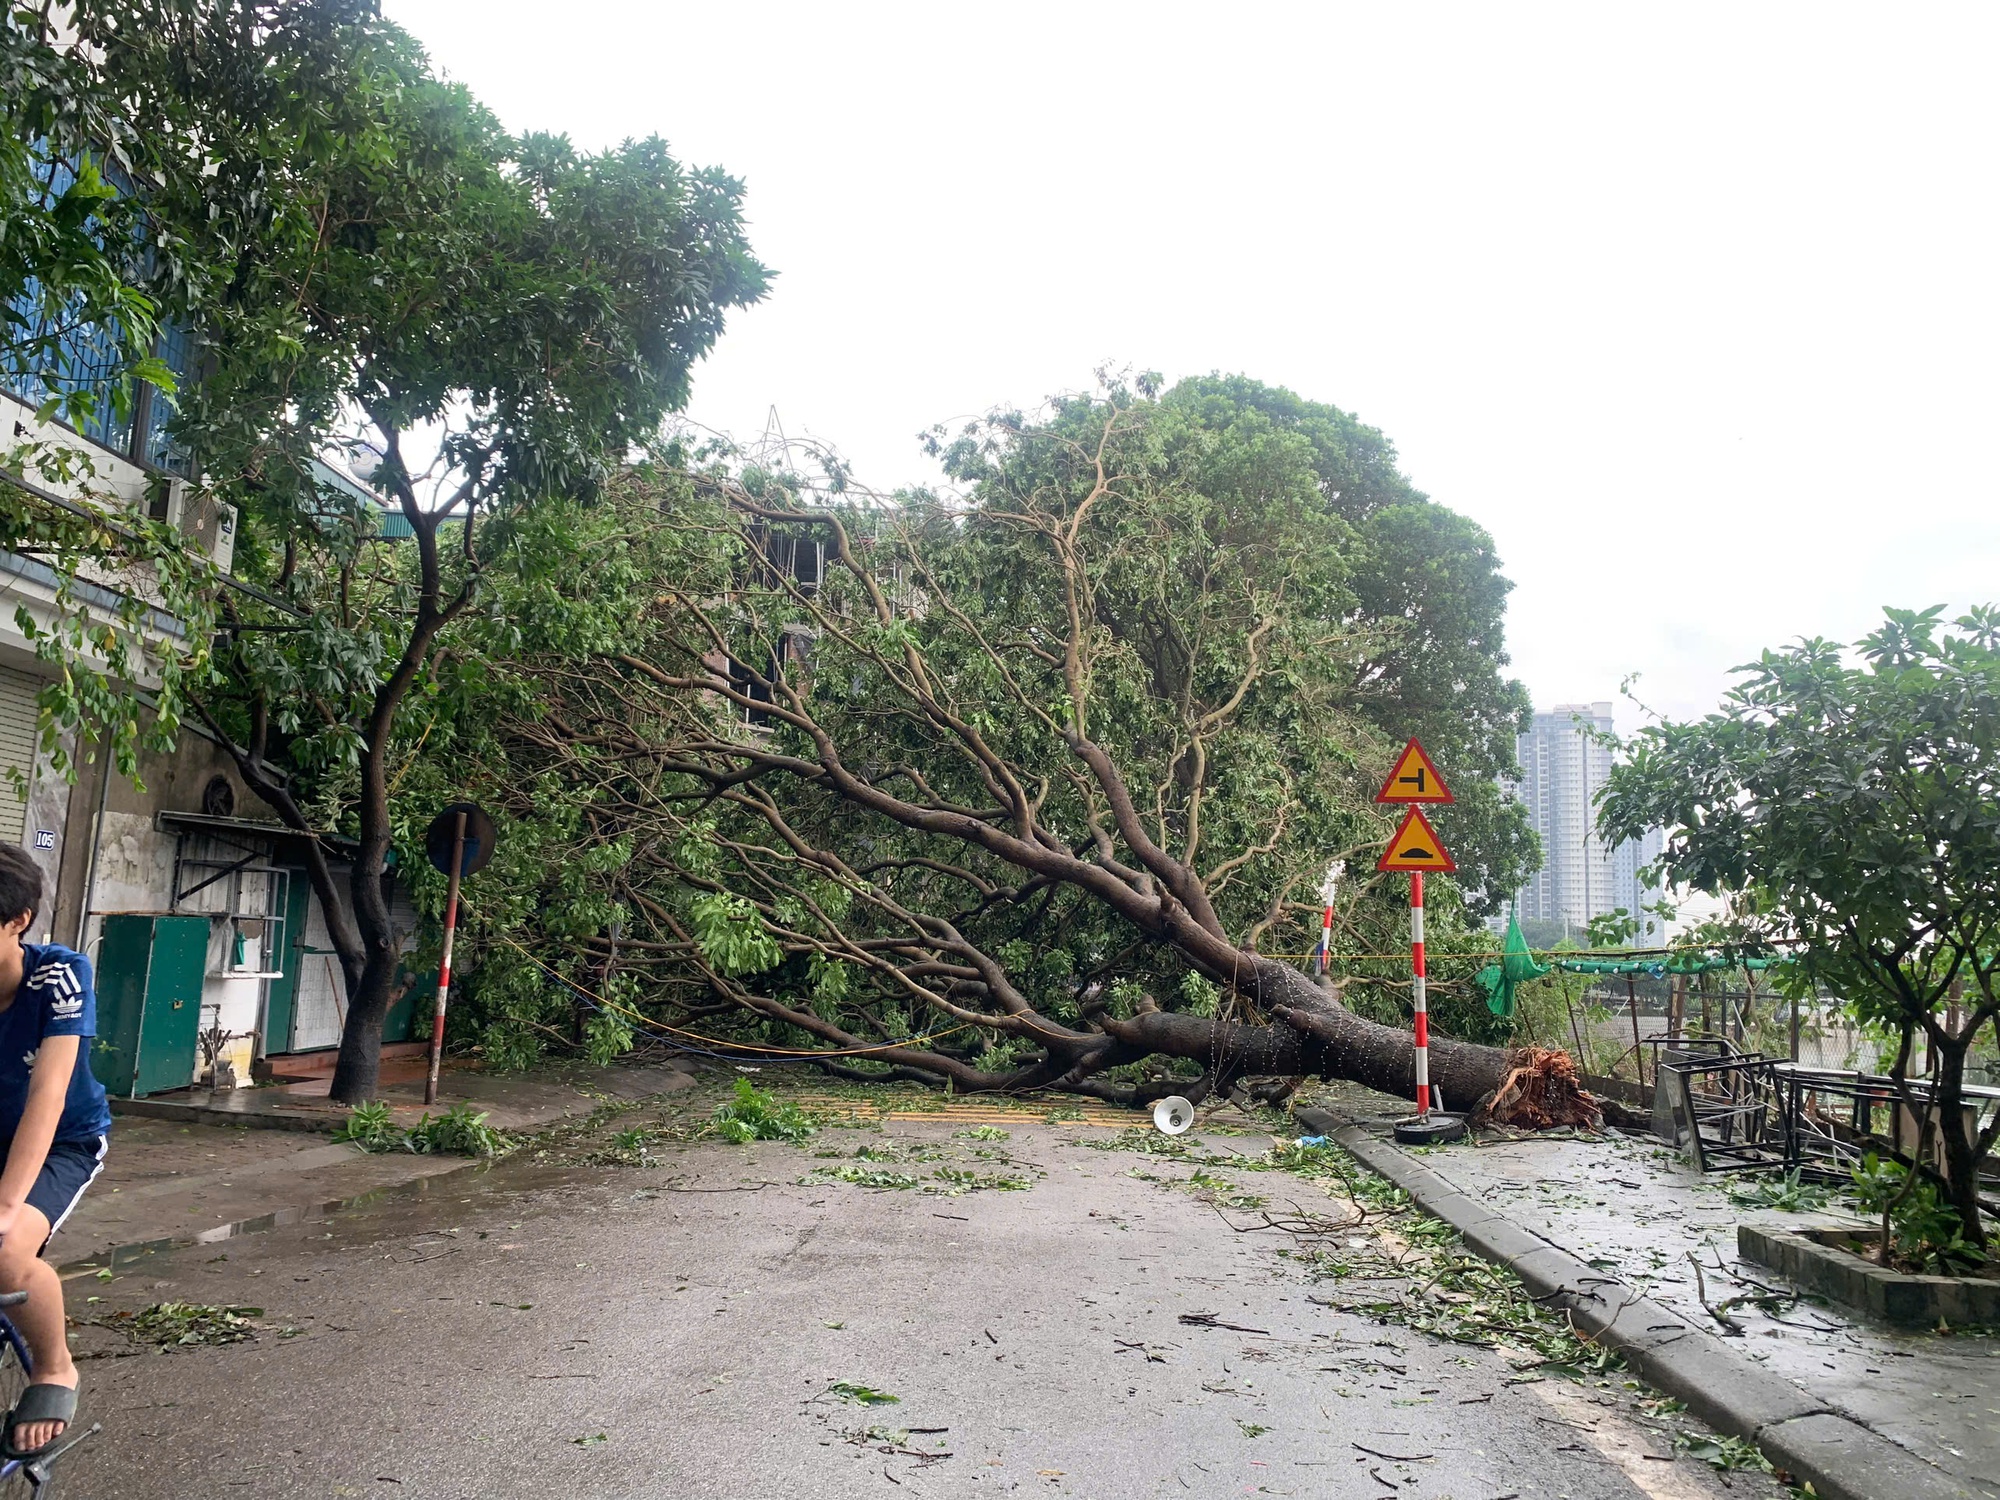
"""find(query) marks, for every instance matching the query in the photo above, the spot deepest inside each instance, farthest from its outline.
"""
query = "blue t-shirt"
(55, 999)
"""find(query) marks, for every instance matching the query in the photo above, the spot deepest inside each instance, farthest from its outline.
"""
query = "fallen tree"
(1021, 790)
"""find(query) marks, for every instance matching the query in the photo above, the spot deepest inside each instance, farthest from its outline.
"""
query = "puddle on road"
(484, 1180)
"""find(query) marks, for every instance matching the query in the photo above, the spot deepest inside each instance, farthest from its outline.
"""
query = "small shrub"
(754, 1115)
(1925, 1231)
(457, 1131)
(369, 1127)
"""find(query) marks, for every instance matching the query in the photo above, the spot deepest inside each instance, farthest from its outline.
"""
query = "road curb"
(323, 1121)
(1811, 1440)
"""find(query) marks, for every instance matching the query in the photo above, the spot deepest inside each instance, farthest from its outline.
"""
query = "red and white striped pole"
(1326, 941)
(444, 962)
(1423, 1020)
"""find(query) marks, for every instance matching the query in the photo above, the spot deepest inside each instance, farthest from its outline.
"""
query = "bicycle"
(29, 1476)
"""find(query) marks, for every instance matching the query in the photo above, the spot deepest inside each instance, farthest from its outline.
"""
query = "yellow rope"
(1404, 953)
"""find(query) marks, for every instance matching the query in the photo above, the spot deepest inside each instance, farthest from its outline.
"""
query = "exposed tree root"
(1543, 1090)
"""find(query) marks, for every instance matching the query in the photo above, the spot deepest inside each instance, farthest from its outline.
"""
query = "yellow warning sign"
(1415, 847)
(1415, 779)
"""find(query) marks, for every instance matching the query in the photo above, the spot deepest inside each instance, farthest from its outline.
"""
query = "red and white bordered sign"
(1414, 779)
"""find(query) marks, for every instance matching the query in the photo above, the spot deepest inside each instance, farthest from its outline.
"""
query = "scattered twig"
(753, 1187)
(1394, 1458)
(1209, 1320)
(1721, 1315)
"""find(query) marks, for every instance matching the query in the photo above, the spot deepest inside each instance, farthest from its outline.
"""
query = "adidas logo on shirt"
(59, 977)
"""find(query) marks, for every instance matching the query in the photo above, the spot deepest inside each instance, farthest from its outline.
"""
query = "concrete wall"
(135, 857)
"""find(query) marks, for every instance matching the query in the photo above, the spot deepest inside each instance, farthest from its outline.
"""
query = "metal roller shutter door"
(17, 747)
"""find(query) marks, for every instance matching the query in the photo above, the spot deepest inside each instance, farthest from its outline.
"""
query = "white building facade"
(1564, 765)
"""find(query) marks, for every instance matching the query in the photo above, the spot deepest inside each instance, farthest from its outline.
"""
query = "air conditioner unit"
(204, 520)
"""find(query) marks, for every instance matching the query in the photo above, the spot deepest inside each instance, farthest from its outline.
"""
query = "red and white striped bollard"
(1423, 1020)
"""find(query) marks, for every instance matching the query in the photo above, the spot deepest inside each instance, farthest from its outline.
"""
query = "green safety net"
(1518, 965)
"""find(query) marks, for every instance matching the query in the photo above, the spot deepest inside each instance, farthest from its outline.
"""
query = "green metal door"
(282, 996)
(170, 1030)
(123, 956)
(149, 976)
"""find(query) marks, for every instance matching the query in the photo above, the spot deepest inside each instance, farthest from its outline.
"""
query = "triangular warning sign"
(1414, 779)
(1415, 847)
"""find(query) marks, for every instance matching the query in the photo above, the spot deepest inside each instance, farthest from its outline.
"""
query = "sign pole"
(444, 962)
(1414, 849)
(1423, 1020)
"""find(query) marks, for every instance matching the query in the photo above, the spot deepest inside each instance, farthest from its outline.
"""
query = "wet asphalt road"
(674, 1331)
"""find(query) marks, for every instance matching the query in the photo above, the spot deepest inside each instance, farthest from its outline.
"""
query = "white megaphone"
(1173, 1115)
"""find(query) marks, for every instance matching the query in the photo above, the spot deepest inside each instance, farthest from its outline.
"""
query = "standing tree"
(530, 313)
(144, 149)
(481, 322)
(1050, 776)
(1859, 807)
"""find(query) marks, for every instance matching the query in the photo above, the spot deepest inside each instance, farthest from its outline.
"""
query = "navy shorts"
(71, 1167)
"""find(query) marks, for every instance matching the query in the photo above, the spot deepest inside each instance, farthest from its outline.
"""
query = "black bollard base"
(1429, 1130)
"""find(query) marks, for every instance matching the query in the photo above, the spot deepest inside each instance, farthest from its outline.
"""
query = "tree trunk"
(1316, 1036)
(1961, 1150)
(358, 1069)
(1381, 1057)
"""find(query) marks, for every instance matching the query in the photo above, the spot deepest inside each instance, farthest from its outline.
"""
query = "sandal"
(46, 1402)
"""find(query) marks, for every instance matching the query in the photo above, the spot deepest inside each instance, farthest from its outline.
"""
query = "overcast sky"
(1695, 308)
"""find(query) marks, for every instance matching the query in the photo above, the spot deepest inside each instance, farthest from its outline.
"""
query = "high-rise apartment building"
(1563, 768)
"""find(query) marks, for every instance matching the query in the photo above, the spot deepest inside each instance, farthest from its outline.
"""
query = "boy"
(54, 1128)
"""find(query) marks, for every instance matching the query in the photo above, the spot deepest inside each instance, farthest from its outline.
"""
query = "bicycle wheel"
(14, 1481)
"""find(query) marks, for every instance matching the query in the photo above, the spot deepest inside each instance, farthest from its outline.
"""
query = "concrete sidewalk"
(517, 1102)
(180, 1171)
(1612, 1228)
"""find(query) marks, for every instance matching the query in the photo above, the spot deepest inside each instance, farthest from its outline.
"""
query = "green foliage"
(1199, 994)
(1242, 535)
(367, 255)
(1926, 1232)
(69, 239)
(1725, 1453)
(753, 1115)
(460, 1131)
(864, 1395)
(731, 934)
(862, 1175)
(1788, 1193)
(1434, 1285)
(370, 1127)
(180, 1325)
(1850, 808)
(133, 602)
(606, 1036)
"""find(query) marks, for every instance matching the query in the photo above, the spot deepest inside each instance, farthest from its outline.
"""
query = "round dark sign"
(479, 839)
